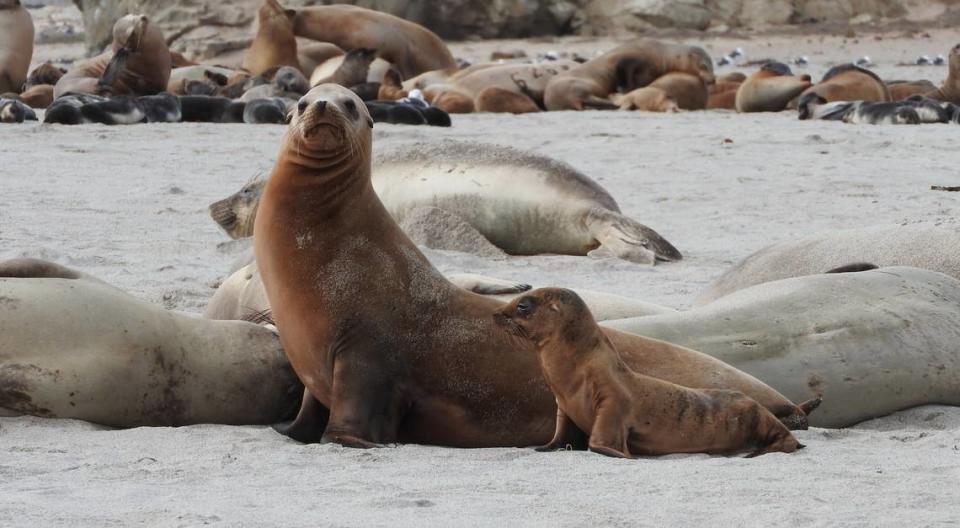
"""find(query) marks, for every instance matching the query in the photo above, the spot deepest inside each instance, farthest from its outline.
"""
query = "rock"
(636, 15)
(843, 10)
(752, 13)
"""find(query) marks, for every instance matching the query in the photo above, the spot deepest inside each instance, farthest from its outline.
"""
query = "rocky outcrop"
(208, 28)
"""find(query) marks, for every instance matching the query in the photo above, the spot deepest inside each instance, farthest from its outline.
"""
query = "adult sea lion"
(388, 349)
(687, 90)
(510, 88)
(137, 63)
(647, 99)
(871, 343)
(412, 48)
(625, 68)
(770, 89)
(622, 413)
(901, 90)
(848, 82)
(922, 245)
(352, 70)
(16, 45)
(241, 295)
(274, 45)
(74, 347)
(553, 208)
(950, 89)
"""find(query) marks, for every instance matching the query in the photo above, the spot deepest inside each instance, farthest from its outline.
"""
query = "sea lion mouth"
(505, 320)
(223, 214)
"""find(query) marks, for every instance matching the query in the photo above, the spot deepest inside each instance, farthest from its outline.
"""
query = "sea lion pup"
(871, 343)
(46, 73)
(75, 347)
(921, 245)
(312, 54)
(352, 70)
(687, 90)
(16, 45)
(404, 113)
(626, 68)
(122, 110)
(554, 208)
(13, 111)
(419, 360)
(274, 45)
(770, 89)
(207, 109)
(273, 111)
(847, 82)
(626, 414)
(510, 88)
(648, 99)
(412, 48)
(137, 63)
(391, 87)
(291, 80)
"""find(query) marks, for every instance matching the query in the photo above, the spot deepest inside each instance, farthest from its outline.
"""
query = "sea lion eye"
(351, 108)
(525, 307)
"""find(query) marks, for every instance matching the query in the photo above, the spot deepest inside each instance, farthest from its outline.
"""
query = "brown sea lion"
(648, 99)
(412, 48)
(723, 94)
(16, 45)
(274, 44)
(39, 96)
(626, 68)
(950, 90)
(770, 89)
(389, 350)
(46, 73)
(179, 60)
(510, 88)
(848, 82)
(391, 87)
(137, 63)
(624, 413)
(902, 90)
(687, 90)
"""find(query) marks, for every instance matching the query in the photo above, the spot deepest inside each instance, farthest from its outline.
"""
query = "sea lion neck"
(332, 179)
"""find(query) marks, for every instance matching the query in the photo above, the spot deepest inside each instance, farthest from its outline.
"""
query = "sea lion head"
(775, 69)
(955, 57)
(547, 315)
(6, 4)
(11, 112)
(700, 60)
(808, 102)
(331, 120)
(236, 213)
(129, 31)
(273, 13)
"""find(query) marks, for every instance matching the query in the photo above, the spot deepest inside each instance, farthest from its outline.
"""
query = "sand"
(128, 204)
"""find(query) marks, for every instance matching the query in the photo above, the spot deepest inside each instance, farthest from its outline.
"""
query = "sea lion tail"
(856, 267)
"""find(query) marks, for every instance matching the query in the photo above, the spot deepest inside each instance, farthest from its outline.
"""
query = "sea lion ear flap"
(291, 13)
(370, 121)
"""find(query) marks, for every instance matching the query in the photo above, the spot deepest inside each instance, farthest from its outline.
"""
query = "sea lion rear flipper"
(29, 268)
(310, 423)
(498, 100)
(811, 405)
(622, 237)
(854, 268)
(486, 285)
(114, 68)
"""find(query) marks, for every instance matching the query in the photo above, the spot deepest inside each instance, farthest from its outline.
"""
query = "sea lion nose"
(321, 106)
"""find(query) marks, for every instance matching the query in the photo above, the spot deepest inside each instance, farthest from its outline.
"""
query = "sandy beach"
(129, 205)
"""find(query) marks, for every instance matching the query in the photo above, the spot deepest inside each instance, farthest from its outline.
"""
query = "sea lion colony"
(363, 385)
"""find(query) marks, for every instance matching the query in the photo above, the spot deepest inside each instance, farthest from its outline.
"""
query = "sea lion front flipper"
(567, 436)
(608, 437)
(113, 70)
(593, 102)
(310, 423)
(365, 403)
(622, 237)
(498, 100)
(486, 285)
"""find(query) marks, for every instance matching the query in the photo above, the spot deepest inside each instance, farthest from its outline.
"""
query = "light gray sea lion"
(923, 245)
(75, 347)
(550, 207)
(871, 343)
(242, 297)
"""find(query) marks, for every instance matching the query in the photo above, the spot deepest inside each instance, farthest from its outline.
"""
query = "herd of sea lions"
(338, 329)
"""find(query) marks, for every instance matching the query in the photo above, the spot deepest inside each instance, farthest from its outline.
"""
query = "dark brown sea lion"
(389, 350)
